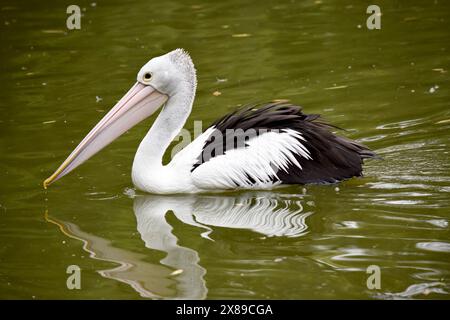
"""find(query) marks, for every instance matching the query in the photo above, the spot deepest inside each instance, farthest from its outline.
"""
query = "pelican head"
(159, 79)
(170, 73)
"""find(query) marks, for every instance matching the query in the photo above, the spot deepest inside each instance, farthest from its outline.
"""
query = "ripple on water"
(401, 147)
(373, 138)
(438, 223)
(395, 185)
(434, 246)
(129, 192)
(416, 220)
(100, 196)
(416, 290)
(427, 179)
(401, 124)
(403, 202)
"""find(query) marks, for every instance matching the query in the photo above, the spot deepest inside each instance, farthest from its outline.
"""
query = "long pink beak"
(140, 102)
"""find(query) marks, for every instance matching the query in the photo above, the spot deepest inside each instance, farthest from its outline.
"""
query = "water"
(389, 88)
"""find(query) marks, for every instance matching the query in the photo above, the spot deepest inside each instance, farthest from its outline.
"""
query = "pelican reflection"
(266, 213)
(180, 275)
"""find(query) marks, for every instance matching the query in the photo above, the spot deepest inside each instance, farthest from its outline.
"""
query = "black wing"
(334, 158)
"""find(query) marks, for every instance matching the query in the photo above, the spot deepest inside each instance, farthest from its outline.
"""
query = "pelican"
(256, 147)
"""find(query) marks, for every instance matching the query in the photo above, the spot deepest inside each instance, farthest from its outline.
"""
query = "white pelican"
(257, 147)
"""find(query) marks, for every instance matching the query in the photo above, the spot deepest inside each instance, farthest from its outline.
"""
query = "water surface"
(388, 88)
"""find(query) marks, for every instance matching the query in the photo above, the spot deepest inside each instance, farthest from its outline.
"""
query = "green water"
(389, 88)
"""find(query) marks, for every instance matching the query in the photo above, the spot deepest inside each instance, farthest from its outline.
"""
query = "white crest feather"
(182, 60)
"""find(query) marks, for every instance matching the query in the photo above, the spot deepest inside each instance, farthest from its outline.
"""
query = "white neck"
(165, 128)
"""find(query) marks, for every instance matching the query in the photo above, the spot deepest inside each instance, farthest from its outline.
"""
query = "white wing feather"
(254, 166)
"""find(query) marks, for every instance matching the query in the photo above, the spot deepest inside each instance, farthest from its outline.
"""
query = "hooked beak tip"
(47, 182)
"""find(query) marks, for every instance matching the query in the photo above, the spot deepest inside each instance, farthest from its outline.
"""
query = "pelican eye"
(147, 76)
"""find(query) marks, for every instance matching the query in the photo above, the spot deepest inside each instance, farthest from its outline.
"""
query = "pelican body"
(257, 147)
